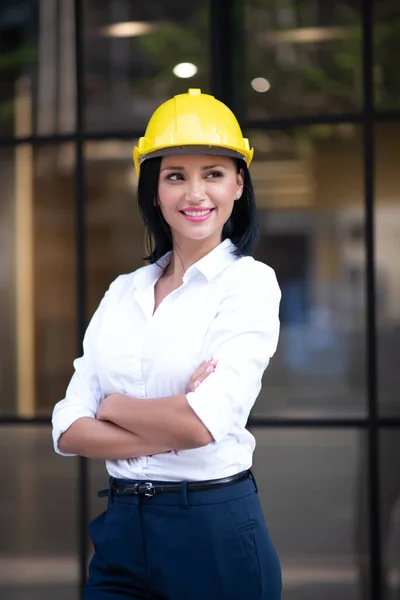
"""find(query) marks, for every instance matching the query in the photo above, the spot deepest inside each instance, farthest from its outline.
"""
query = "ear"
(240, 184)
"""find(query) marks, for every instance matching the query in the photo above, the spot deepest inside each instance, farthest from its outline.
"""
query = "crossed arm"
(128, 427)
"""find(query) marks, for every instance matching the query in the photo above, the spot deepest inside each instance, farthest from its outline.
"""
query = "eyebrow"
(172, 168)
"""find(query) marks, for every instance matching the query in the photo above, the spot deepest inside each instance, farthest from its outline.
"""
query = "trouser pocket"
(248, 522)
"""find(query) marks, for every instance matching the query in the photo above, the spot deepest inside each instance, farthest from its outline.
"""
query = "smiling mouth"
(197, 213)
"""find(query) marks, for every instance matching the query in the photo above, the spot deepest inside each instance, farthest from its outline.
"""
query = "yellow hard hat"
(192, 122)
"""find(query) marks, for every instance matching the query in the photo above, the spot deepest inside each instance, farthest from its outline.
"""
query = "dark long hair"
(241, 227)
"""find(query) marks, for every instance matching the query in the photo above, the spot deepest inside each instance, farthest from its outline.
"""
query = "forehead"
(195, 160)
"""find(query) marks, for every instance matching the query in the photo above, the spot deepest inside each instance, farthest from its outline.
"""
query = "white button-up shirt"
(226, 308)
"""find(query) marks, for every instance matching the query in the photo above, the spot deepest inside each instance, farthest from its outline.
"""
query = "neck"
(186, 254)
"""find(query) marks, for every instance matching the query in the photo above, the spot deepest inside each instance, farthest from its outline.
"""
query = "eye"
(214, 174)
(175, 177)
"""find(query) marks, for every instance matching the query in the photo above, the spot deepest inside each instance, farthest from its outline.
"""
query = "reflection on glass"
(114, 229)
(37, 51)
(18, 54)
(38, 549)
(131, 51)
(389, 465)
(309, 484)
(390, 511)
(386, 45)
(38, 278)
(387, 232)
(8, 362)
(54, 272)
(309, 53)
(309, 190)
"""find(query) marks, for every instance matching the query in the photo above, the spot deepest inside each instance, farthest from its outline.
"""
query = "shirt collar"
(210, 265)
(149, 274)
(213, 263)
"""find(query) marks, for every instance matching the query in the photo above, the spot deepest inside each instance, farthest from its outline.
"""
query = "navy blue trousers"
(207, 545)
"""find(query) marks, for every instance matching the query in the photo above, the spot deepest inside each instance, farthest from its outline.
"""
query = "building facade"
(316, 88)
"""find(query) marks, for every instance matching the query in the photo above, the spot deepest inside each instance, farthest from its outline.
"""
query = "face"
(196, 194)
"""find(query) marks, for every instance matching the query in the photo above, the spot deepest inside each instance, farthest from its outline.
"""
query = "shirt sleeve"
(243, 337)
(84, 392)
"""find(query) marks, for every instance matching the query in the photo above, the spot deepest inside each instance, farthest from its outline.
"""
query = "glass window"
(387, 233)
(386, 44)
(114, 229)
(138, 54)
(18, 57)
(309, 190)
(55, 273)
(37, 66)
(38, 282)
(302, 58)
(8, 344)
(390, 511)
(38, 521)
(310, 486)
(389, 463)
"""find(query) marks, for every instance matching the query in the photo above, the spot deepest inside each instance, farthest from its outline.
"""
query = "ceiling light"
(184, 70)
(306, 35)
(128, 29)
(260, 84)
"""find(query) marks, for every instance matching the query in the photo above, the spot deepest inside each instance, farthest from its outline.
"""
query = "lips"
(197, 215)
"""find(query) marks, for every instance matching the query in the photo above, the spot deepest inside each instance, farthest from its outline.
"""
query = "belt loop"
(185, 502)
(110, 490)
(254, 480)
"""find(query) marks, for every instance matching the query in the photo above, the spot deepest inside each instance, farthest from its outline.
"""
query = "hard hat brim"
(214, 150)
(190, 149)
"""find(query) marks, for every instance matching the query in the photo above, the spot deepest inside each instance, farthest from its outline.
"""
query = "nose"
(195, 191)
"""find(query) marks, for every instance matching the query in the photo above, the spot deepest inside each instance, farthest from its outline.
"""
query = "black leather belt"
(118, 488)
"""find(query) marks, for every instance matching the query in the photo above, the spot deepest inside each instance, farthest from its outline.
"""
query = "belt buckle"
(150, 490)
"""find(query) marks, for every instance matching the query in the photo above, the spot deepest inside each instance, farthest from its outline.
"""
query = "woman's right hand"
(201, 373)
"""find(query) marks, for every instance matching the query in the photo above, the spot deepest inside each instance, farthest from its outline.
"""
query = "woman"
(172, 365)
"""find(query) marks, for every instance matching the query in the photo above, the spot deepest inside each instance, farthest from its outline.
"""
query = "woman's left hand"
(201, 373)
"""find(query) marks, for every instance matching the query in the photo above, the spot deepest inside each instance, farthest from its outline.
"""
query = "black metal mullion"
(220, 45)
(6, 420)
(279, 123)
(371, 333)
(262, 422)
(275, 123)
(83, 511)
(293, 423)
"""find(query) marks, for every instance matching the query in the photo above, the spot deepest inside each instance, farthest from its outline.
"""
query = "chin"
(198, 235)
